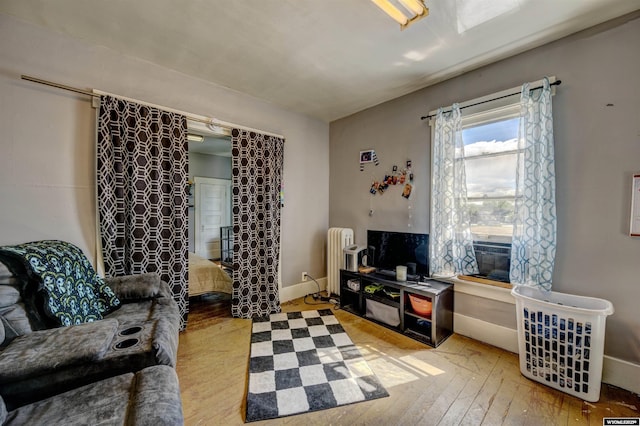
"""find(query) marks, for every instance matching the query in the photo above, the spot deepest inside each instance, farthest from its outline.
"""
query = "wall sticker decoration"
(368, 156)
(402, 177)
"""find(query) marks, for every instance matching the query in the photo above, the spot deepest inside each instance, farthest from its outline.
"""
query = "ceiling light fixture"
(195, 138)
(415, 8)
(219, 130)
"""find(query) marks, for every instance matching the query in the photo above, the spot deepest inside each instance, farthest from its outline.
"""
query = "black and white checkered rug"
(304, 361)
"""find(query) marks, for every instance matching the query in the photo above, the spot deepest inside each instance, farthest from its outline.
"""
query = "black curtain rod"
(555, 83)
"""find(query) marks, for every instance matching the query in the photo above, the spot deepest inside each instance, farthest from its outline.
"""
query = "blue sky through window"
(499, 131)
(491, 170)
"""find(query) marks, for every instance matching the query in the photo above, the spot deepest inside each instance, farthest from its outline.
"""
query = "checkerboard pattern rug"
(304, 361)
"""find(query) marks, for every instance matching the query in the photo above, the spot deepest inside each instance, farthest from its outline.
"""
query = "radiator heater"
(337, 239)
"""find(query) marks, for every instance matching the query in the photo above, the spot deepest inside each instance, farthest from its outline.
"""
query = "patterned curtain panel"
(142, 173)
(450, 242)
(257, 176)
(533, 247)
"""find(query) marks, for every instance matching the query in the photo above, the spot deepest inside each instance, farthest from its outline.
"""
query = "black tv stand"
(389, 274)
(390, 305)
(386, 273)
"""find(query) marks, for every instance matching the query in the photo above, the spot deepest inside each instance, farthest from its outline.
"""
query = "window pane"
(491, 217)
(490, 138)
(493, 176)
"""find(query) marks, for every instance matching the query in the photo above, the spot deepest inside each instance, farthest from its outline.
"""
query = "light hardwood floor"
(460, 382)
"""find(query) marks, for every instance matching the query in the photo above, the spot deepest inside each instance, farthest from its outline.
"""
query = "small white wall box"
(634, 230)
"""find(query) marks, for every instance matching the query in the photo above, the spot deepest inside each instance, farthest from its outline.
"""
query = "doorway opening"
(209, 187)
(210, 204)
(212, 214)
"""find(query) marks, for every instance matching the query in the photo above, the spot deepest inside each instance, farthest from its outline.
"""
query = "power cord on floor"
(320, 299)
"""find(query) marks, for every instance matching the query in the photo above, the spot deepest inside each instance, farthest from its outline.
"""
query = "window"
(491, 149)
(490, 130)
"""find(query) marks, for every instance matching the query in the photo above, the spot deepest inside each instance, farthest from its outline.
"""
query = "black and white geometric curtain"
(257, 162)
(142, 172)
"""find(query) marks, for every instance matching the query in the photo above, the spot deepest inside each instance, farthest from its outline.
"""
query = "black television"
(386, 250)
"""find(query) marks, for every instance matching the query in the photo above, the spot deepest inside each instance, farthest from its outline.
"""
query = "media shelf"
(390, 304)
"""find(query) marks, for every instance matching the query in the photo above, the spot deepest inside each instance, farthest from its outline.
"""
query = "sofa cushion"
(135, 287)
(44, 351)
(100, 403)
(5, 274)
(72, 290)
(14, 322)
(9, 295)
(3, 411)
(150, 397)
(156, 400)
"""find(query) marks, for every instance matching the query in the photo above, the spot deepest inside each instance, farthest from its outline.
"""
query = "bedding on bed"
(206, 277)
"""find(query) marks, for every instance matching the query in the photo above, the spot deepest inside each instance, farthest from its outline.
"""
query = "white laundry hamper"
(561, 339)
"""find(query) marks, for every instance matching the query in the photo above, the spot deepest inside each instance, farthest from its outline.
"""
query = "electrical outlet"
(304, 276)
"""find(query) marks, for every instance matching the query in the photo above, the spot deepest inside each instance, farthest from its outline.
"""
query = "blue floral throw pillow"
(73, 291)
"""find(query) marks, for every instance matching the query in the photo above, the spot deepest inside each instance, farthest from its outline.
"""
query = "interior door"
(212, 210)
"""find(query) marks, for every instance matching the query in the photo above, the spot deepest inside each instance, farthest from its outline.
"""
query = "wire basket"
(561, 340)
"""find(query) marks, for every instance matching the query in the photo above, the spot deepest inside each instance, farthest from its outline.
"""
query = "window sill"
(489, 289)
(485, 281)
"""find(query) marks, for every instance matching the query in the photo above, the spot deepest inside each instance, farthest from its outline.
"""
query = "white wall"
(47, 141)
(597, 150)
(210, 166)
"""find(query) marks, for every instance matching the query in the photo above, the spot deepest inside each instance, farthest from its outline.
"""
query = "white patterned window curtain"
(533, 246)
(257, 162)
(450, 241)
(142, 172)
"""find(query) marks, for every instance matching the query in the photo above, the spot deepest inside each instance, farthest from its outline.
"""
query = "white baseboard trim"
(615, 371)
(302, 289)
(493, 334)
(620, 373)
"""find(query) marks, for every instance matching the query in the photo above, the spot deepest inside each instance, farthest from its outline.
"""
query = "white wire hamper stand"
(561, 340)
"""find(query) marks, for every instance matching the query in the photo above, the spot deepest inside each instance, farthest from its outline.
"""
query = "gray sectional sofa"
(149, 397)
(66, 333)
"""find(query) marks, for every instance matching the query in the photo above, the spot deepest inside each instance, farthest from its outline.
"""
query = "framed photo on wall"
(366, 156)
(635, 207)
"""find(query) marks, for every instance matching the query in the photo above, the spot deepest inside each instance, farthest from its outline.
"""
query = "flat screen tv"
(386, 250)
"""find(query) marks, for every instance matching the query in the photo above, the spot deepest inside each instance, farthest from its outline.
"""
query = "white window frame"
(486, 117)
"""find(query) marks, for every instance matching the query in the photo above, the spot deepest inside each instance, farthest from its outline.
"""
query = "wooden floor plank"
(621, 402)
(459, 408)
(460, 382)
(490, 404)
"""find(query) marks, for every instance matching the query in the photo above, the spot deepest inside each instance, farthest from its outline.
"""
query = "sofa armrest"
(136, 287)
(156, 399)
(41, 352)
(3, 411)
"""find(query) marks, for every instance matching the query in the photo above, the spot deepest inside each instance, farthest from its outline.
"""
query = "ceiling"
(324, 58)
(216, 140)
(212, 146)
